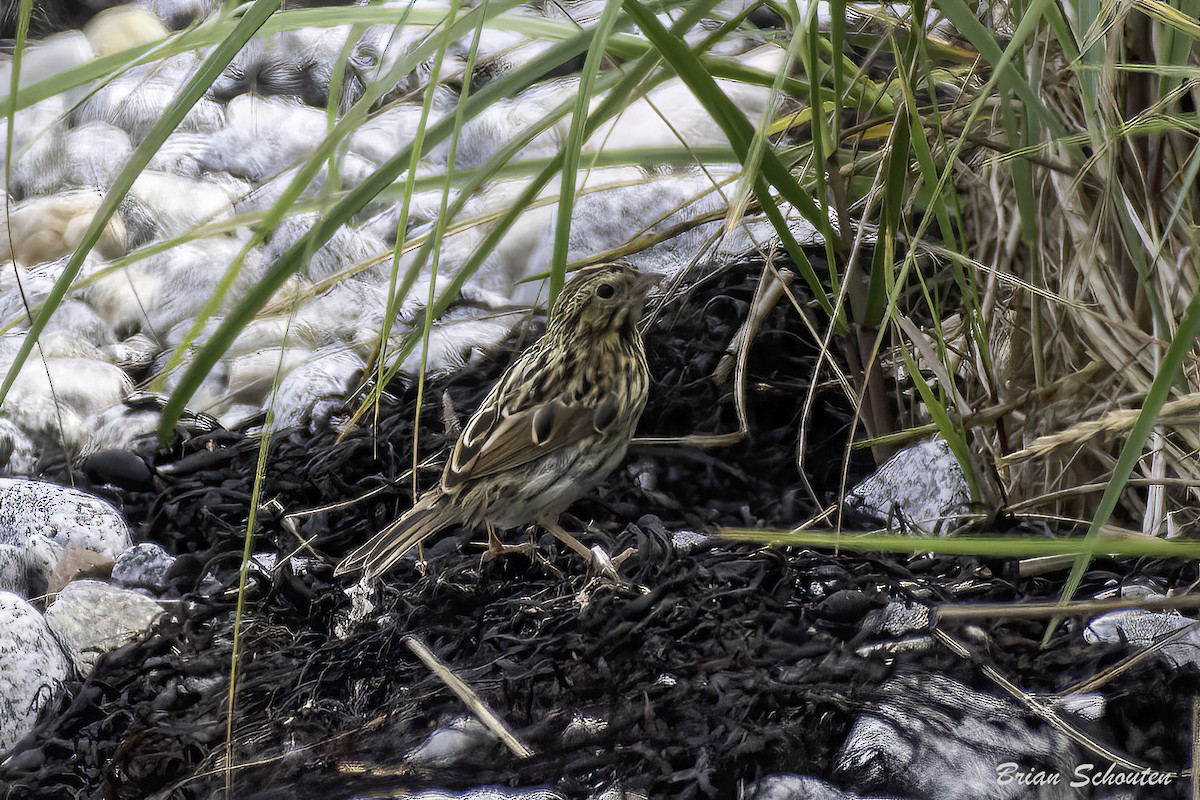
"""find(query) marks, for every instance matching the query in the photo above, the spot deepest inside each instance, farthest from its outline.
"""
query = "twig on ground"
(1195, 747)
(1041, 709)
(468, 696)
(1048, 610)
(1105, 675)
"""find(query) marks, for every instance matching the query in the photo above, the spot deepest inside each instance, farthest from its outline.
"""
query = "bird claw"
(627, 553)
(602, 575)
(527, 549)
(604, 566)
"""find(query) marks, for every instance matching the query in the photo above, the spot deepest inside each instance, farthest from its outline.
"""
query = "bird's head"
(602, 302)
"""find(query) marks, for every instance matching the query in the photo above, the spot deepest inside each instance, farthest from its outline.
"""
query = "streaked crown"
(607, 299)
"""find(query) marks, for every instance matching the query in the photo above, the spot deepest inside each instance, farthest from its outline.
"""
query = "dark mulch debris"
(718, 665)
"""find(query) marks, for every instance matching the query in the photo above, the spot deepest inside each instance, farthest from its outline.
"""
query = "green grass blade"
(985, 546)
(23, 14)
(573, 146)
(438, 233)
(418, 147)
(740, 133)
(946, 427)
(1131, 452)
(354, 200)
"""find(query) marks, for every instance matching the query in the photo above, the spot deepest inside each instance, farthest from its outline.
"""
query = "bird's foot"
(495, 550)
(605, 566)
(602, 565)
(623, 556)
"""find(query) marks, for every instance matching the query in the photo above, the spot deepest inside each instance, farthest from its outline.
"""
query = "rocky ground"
(719, 670)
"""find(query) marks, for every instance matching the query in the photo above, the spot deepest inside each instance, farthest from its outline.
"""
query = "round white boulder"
(90, 618)
(32, 665)
(25, 570)
(62, 515)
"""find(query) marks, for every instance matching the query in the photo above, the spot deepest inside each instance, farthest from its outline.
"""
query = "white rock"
(316, 389)
(451, 743)
(143, 566)
(162, 290)
(924, 485)
(135, 100)
(97, 152)
(175, 204)
(18, 453)
(347, 248)
(31, 666)
(25, 569)
(670, 112)
(87, 157)
(47, 58)
(294, 63)
(133, 353)
(180, 13)
(928, 735)
(121, 28)
(63, 515)
(1088, 705)
(43, 229)
(686, 541)
(1137, 628)
(77, 322)
(262, 137)
(79, 381)
(797, 787)
(90, 618)
(387, 133)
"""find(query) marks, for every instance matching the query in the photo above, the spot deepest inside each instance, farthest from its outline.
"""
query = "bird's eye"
(604, 290)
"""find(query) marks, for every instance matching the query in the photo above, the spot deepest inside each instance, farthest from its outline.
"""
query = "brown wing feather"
(519, 438)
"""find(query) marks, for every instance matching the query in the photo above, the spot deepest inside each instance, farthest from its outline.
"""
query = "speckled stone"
(1137, 628)
(25, 570)
(922, 486)
(143, 566)
(90, 618)
(797, 787)
(31, 667)
(18, 453)
(63, 515)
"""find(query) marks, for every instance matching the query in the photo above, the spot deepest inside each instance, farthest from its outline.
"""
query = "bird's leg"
(422, 564)
(599, 560)
(570, 541)
(497, 548)
(623, 556)
(618, 559)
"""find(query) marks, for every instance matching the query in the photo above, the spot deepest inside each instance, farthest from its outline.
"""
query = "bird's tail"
(389, 545)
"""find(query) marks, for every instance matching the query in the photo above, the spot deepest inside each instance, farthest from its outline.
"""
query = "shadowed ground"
(721, 663)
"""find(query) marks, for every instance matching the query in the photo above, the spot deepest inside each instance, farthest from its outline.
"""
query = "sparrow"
(555, 424)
